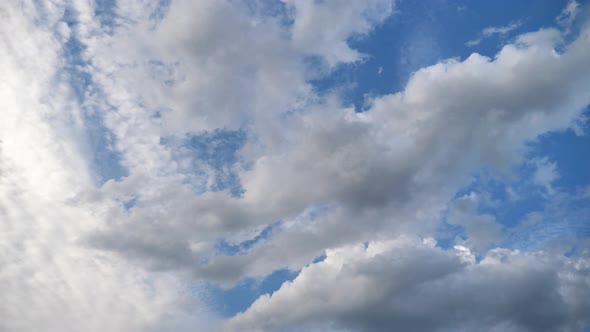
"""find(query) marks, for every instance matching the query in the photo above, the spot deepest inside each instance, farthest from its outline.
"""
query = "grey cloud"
(415, 286)
(230, 64)
(389, 169)
(411, 150)
(481, 230)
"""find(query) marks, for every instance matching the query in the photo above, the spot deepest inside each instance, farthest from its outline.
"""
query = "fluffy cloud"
(80, 80)
(414, 285)
(398, 164)
(225, 64)
(47, 280)
(323, 27)
(391, 169)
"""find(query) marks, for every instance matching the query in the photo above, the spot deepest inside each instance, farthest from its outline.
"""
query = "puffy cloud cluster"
(323, 28)
(414, 285)
(83, 79)
(390, 169)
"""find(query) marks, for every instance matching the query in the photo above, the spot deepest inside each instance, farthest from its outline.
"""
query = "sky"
(295, 165)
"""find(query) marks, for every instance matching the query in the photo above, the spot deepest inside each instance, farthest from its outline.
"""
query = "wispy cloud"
(569, 14)
(494, 31)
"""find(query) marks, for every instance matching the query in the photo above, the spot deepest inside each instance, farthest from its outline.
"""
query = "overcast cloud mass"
(294, 165)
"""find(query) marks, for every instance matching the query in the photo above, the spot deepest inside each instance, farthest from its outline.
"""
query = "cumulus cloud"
(396, 166)
(390, 169)
(414, 285)
(481, 230)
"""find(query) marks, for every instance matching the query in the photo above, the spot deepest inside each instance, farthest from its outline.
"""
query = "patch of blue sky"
(320, 258)
(270, 8)
(106, 11)
(229, 302)
(160, 10)
(312, 214)
(212, 154)
(130, 203)
(566, 212)
(571, 153)
(422, 33)
(508, 201)
(558, 224)
(533, 216)
(447, 234)
(104, 160)
(225, 248)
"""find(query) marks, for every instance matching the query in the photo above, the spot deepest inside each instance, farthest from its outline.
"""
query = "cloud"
(481, 230)
(493, 31)
(395, 167)
(235, 64)
(545, 173)
(48, 281)
(391, 169)
(323, 27)
(417, 286)
(141, 82)
(569, 14)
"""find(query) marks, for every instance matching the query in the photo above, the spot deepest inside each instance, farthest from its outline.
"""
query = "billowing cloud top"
(160, 159)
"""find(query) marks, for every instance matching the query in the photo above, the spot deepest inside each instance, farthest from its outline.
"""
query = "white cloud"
(493, 31)
(324, 27)
(397, 167)
(416, 286)
(231, 65)
(142, 65)
(545, 173)
(391, 169)
(47, 280)
(569, 14)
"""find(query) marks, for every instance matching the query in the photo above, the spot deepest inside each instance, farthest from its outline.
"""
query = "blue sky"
(295, 165)
(422, 33)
